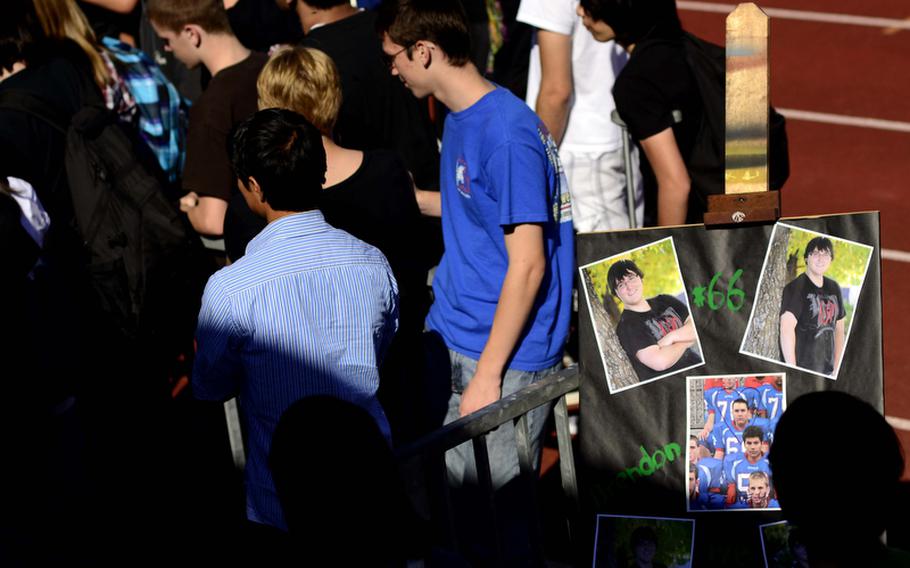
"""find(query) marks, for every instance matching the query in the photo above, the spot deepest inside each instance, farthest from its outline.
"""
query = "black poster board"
(633, 442)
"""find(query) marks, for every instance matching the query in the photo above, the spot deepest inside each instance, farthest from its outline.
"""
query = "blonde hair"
(63, 19)
(304, 80)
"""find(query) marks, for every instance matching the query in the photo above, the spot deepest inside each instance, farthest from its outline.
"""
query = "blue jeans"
(501, 446)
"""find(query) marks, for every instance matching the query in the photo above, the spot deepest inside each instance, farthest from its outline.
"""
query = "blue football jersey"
(766, 426)
(752, 397)
(739, 475)
(711, 485)
(722, 404)
(710, 475)
(727, 439)
(709, 402)
(772, 402)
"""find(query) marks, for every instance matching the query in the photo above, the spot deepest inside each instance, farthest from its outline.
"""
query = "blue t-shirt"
(499, 167)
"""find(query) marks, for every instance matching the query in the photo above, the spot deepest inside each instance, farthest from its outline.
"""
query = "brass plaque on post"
(746, 147)
(746, 140)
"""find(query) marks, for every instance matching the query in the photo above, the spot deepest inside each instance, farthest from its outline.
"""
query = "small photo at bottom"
(782, 546)
(622, 541)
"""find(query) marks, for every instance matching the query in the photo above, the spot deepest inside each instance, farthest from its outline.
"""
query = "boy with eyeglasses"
(503, 287)
(656, 333)
(812, 314)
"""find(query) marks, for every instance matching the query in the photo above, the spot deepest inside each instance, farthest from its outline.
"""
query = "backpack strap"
(29, 103)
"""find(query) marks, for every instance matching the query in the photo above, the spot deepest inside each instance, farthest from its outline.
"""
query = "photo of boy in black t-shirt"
(656, 333)
(812, 314)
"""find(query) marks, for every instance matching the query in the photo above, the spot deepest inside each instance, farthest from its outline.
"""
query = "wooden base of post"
(737, 208)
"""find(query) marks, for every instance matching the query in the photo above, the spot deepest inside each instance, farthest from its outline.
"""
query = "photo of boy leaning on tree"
(812, 313)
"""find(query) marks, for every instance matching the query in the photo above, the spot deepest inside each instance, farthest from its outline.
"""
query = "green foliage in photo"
(657, 262)
(674, 540)
(848, 267)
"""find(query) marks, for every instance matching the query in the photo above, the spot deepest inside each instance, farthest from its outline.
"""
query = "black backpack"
(706, 164)
(706, 161)
(145, 264)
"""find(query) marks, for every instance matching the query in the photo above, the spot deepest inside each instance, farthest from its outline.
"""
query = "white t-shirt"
(595, 66)
(34, 218)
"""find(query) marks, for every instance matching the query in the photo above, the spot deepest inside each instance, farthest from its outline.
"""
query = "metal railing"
(423, 465)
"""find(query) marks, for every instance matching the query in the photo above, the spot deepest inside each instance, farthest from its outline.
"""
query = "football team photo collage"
(801, 317)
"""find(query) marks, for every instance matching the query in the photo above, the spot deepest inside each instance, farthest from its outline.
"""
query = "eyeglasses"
(390, 59)
(820, 254)
(627, 279)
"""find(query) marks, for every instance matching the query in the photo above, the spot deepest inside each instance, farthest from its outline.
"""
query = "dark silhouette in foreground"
(839, 526)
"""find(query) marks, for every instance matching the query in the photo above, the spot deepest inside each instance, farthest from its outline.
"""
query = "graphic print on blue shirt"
(496, 172)
(562, 205)
(462, 178)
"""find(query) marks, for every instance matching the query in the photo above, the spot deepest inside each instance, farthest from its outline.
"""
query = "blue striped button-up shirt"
(309, 310)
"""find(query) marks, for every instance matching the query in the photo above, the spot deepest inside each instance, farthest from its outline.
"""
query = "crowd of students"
(310, 147)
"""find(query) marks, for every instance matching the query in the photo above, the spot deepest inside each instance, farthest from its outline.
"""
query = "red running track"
(857, 71)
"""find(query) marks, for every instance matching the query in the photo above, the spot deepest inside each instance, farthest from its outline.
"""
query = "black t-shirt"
(654, 83)
(817, 311)
(638, 330)
(51, 315)
(377, 111)
(229, 99)
(260, 24)
(377, 205)
(30, 149)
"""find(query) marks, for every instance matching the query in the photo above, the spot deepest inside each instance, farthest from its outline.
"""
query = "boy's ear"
(253, 186)
(195, 32)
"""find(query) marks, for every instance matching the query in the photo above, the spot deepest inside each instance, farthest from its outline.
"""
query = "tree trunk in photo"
(617, 367)
(763, 337)
(791, 266)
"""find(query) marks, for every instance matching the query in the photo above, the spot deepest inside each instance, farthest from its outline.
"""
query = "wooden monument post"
(746, 197)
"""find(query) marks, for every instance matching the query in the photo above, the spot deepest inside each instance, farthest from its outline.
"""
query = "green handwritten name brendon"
(648, 464)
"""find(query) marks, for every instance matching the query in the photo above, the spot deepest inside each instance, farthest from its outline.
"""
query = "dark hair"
(618, 271)
(643, 534)
(805, 496)
(21, 35)
(442, 22)
(633, 20)
(742, 400)
(358, 481)
(326, 4)
(284, 154)
(753, 432)
(819, 243)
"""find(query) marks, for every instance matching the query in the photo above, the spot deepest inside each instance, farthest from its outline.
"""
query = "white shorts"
(597, 183)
